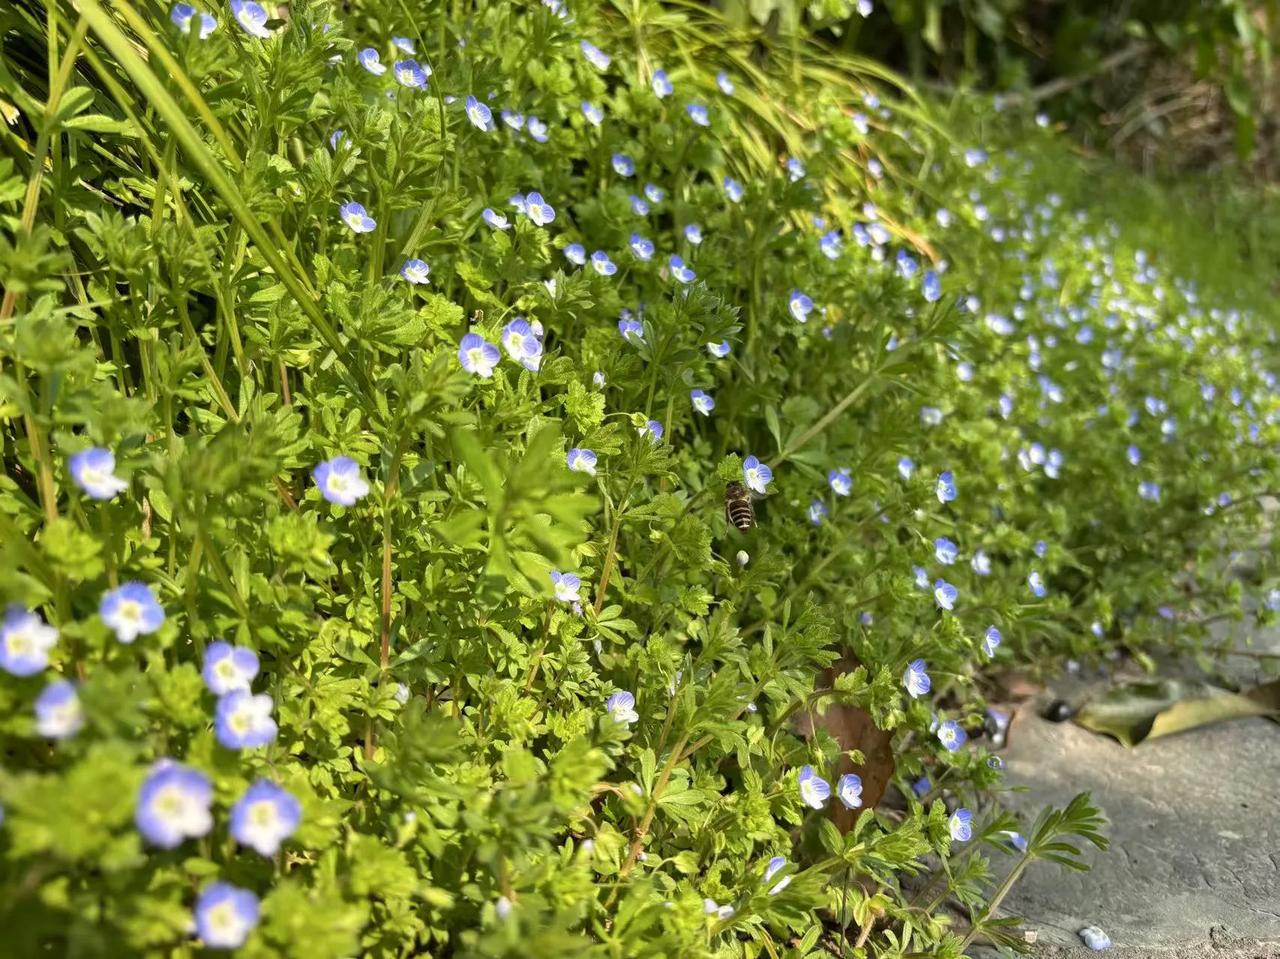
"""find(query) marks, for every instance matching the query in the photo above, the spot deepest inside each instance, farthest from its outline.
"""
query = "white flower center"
(131, 611)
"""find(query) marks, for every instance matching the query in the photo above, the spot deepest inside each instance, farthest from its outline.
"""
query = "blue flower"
(631, 330)
(404, 45)
(991, 640)
(693, 233)
(864, 8)
(916, 679)
(252, 17)
(831, 245)
(337, 138)
(623, 165)
(952, 735)
(1036, 582)
(25, 641)
(654, 429)
(733, 189)
(58, 712)
(183, 15)
(932, 286)
(512, 120)
(479, 114)
(566, 586)
(537, 129)
(416, 272)
(477, 355)
(654, 193)
(595, 56)
(371, 61)
(756, 475)
(594, 115)
(724, 83)
(601, 263)
(776, 864)
(945, 550)
(906, 264)
(930, 415)
(581, 461)
(1134, 455)
(495, 220)
(945, 594)
(357, 218)
(340, 481)
(702, 402)
(641, 248)
(921, 787)
(698, 114)
(841, 481)
(800, 305)
(814, 790)
(622, 707)
(639, 206)
(817, 510)
(1149, 491)
(94, 472)
(719, 350)
(576, 254)
(409, 73)
(678, 270)
(228, 668)
(173, 805)
(661, 85)
(131, 611)
(795, 170)
(225, 915)
(960, 825)
(1040, 548)
(849, 790)
(264, 817)
(946, 488)
(538, 210)
(243, 720)
(522, 344)
(1016, 839)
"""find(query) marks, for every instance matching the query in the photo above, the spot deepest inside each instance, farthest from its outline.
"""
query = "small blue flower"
(228, 668)
(173, 805)
(849, 790)
(357, 218)
(921, 787)
(733, 189)
(719, 350)
(698, 114)
(693, 233)
(654, 193)
(58, 712)
(841, 481)
(639, 205)
(756, 475)
(264, 817)
(94, 472)
(243, 720)
(601, 263)
(416, 272)
(622, 707)
(831, 244)
(1149, 491)
(932, 286)
(1040, 548)
(538, 210)
(537, 129)
(930, 415)
(991, 640)
(131, 610)
(945, 551)
(576, 254)
(906, 264)
(702, 402)
(795, 170)
(477, 355)
(581, 461)
(252, 17)
(631, 330)
(479, 114)
(641, 248)
(225, 915)
(678, 270)
(814, 790)
(183, 15)
(337, 139)
(906, 467)
(623, 165)
(724, 83)
(495, 220)
(654, 429)
(960, 825)
(817, 511)
(800, 305)
(595, 56)
(946, 488)
(1036, 582)
(340, 481)
(922, 577)
(864, 8)
(1134, 455)
(952, 735)
(512, 120)
(566, 586)
(945, 594)
(661, 85)
(776, 864)
(1016, 839)
(409, 73)
(916, 679)
(371, 61)
(404, 45)
(522, 344)
(25, 641)
(594, 115)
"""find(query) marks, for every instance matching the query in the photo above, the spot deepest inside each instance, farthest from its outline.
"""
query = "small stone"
(1095, 938)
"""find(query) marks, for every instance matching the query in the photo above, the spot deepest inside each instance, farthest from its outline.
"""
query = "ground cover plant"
(373, 380)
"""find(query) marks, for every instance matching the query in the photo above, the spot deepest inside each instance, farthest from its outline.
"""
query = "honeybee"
(737, 507)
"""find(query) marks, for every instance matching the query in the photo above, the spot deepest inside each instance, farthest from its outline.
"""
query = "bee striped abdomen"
(737, 507)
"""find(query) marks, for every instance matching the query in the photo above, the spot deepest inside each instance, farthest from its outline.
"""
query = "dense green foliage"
(181, 290)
